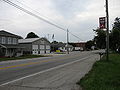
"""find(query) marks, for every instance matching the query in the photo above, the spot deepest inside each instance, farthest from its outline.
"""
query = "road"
(11, 71)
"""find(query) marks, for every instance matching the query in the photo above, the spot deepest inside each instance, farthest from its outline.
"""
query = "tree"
(89, 44)
(55, 42)
(32, 35)
(116, 25)
(100, 38)
(115, 35)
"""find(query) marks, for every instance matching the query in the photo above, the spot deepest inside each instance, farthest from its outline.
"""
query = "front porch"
(10, 51)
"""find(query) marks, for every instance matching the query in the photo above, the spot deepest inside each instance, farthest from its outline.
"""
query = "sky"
(80, 17)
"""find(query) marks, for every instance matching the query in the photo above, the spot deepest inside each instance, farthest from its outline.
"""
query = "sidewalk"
(63, 78)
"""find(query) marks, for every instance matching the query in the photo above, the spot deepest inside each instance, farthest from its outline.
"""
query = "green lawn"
(104, 75)
(21, 57)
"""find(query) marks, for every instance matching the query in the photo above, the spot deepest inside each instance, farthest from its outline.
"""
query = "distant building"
(9, 44)
(35, 45)
(62, 46)
(78, 46)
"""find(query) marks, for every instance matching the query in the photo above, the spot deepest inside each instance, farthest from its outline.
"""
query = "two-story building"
(9, 44)
(35, 45)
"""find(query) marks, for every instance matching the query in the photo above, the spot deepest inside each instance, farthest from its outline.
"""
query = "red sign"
(102, 23)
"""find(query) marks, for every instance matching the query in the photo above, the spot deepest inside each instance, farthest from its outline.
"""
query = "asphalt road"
(12, 70)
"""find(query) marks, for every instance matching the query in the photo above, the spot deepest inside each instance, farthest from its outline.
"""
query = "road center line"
(44, 71)
(31, 63)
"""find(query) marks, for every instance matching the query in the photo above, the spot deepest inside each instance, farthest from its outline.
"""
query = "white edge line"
(43, 71)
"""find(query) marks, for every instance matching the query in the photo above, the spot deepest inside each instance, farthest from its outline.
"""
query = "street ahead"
(13, 70)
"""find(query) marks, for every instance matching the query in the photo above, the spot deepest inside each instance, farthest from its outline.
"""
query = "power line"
(42, 16)
(39, 17)
(30, 13)
(75, 36)
(47, 18)
(33, 10)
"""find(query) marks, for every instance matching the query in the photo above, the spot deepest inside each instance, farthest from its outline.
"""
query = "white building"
(35, 45)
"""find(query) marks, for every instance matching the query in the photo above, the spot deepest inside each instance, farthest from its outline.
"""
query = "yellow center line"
(20, 65)
(31, 63)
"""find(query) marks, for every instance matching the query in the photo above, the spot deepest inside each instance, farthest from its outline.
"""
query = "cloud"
(79, 16)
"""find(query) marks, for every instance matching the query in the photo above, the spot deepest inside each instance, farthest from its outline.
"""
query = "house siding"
(7, 46)
(42, 46)
(27, 48)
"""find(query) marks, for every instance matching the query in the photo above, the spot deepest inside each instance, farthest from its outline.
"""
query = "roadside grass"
(21, 57)
(104, 75)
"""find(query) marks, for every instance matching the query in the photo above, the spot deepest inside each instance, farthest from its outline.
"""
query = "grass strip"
(104, 75)
(21, 57)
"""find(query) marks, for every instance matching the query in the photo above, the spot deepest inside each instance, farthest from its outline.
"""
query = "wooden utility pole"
(67, 41)
(107, 32)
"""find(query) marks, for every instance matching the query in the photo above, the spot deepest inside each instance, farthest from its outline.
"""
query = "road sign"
(102, 23)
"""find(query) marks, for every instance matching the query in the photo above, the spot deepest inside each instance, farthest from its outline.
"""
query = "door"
(35, 49)
(42, 49)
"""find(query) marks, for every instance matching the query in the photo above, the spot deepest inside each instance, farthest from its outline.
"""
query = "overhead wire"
(43, 16)
(39, 17)
(75, 36)
(30, 13)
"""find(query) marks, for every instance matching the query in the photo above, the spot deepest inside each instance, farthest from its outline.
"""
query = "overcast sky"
(79, 16)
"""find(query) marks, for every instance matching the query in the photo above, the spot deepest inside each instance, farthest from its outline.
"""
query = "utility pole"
(67, 41)
(107, 32)
(53, 42)
(48, 36)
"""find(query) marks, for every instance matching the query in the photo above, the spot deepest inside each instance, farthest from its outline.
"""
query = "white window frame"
(9, 40)
(14, 40)
(3, 40)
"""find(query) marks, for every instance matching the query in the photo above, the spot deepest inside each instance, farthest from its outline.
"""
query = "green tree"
(116, 25)
(89, 44)
(115, 35)
(32, 35)
(55, 42)
(100, 38)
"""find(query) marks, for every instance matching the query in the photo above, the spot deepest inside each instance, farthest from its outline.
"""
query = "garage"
(42, 49)
(35, 49)
(47, 48)
(35, 45)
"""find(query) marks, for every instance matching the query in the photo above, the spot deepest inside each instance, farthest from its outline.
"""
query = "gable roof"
(30, 40)
(5, 33)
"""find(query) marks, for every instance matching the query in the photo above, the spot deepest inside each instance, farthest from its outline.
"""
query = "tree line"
(99, 40)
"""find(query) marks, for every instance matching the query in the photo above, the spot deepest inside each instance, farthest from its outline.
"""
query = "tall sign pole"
(107, 34)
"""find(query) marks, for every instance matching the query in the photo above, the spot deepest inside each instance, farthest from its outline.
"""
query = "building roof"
(30, 40)
(5, 33)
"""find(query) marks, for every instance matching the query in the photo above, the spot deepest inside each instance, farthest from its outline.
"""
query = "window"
(3, 40)
(9, 40)
(14, 41)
